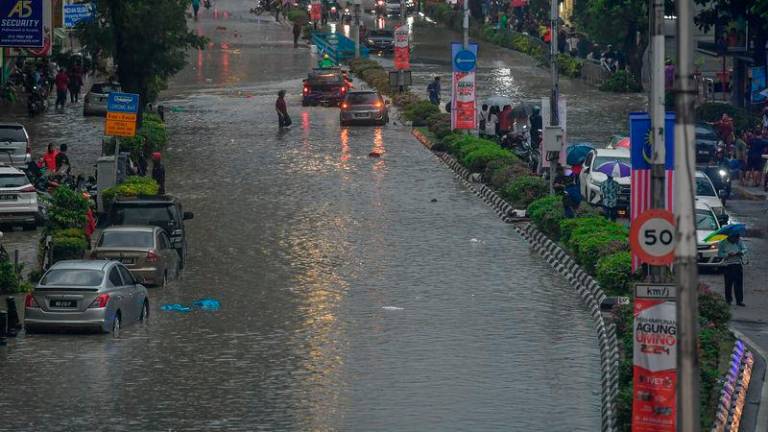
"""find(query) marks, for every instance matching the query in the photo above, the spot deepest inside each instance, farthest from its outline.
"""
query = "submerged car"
(324, 86)
(15, 147)
(95, 102)
(366, 107)
(380, 40)
(86, 295)
(145, 250)
(18, 199)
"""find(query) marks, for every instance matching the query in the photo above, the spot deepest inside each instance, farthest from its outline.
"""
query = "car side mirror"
(723, 219)
(189, 215)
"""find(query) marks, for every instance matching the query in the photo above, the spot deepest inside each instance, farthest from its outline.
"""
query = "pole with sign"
(122, 113)
(463, 86)
(402, 51)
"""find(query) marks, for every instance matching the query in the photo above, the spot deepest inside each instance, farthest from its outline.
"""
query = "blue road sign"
(74, 13)
(464, 60)
(123, 102)
(21, 23)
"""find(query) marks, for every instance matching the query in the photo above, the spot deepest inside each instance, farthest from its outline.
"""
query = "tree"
(147, 39)
(722, 12)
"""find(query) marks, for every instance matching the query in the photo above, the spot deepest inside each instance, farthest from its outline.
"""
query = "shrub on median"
(501, 172)
(439, 124)
(547, 213)
(478, 159)
(622, 82)
(419, 112)
(614, 273)
(525, 189)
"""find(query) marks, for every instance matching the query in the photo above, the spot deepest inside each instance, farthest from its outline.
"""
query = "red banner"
(402, 50)
(463, 105)
(655, 361)
(316, 12)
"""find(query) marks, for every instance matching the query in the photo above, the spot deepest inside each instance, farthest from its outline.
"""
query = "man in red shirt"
(505, 120)
(62, 85)
(49, 159)
(283, 120)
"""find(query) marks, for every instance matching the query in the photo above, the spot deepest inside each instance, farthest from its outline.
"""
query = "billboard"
(21, 23)
(463, 98)
(76, 11)
(759, 85)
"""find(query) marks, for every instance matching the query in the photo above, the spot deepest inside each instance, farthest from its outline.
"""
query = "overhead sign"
(463, 97)
(652, 237)
(402, 51)
(654, 333)
(122, 111)
(21, 23)
(759, 85)
(76, 11)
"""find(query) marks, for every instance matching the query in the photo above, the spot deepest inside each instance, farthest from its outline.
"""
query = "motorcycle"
(520, 144)
(346, 16)
(720, 175)
(37, 101)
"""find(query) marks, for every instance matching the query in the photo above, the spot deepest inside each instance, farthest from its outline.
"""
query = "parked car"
(163, 211)
(364, 107)
(325, 86)
(86, 295)
(95, 102)
(706, 223)
(380, 40)
(145, 250)
(18, 199)
(15, 147)
(590, 179)
(707, 142)
(707, 194)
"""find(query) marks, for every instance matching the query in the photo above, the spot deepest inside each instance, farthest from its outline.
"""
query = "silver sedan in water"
(86, 295)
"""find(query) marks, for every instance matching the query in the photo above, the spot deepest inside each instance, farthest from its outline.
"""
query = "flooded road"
(358, 293)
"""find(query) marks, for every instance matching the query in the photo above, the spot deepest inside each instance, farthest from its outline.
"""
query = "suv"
(18, 199)
(324, 86)
(163, 211)
(95, 102)
(15, 148)
(591, 179)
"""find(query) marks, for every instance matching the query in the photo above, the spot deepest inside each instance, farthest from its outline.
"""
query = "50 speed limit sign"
(652, 237)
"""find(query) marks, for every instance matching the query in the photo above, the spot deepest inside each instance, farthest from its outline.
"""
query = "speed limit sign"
(652, 237)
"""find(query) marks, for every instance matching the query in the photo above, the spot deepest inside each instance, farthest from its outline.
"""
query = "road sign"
(652, 237)
(21, 23)
(464, 60)
(122, 109)
(76, 12)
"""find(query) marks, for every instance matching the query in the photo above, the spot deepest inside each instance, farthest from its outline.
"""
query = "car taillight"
(344, 105)
(29, 189)
(30, 302)
(152, 256)
(343, 89)
(378, 104)
(99, 302)
(306, 90)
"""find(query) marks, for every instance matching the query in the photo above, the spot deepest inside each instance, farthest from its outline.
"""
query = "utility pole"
(685, 251)
(657, 111)
(554, 118)
(466, 24)
(356, 31)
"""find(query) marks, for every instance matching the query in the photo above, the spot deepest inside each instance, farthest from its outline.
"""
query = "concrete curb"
(762, 412)
(748, 194)
(589, 290)
(735, 386)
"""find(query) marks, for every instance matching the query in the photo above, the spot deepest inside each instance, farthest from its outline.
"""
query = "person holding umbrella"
(732, 251)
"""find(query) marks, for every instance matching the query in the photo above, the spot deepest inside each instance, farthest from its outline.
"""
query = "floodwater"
(358, 293)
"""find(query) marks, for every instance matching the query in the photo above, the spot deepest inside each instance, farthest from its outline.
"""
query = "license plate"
(63, 303)
(9, 197)
(702, 152)
(361, 115)
(127, 260)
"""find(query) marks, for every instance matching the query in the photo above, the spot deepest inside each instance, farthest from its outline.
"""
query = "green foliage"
(419, 112)
(546, 213)
(439, 124)
(526, 189)
(9, 280)
(133, 186)
(477, 159)
(297, 15)
(67, 209)
(154, 134)
(499, 173)
(614, 273)
(713, 308)
(592, 248)
(622, 82)
(713, 111)
(152, 117)
(67, 248)
(569, 66)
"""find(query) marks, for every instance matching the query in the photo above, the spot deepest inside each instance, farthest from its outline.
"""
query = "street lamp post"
(554, 118)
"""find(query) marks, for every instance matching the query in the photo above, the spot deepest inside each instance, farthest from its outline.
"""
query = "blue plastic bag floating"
(206, 304)
(175, 308)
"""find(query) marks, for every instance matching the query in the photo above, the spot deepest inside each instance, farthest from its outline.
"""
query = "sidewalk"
(750, 192)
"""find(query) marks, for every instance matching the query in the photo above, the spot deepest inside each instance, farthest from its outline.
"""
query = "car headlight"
(370, 41)
(722, 173)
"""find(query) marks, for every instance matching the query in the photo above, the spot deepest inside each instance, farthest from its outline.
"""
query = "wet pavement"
(351, 300)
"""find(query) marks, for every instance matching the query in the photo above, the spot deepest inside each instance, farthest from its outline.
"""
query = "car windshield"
(705, 220)
(362, 98)
(145, 215)
(704, 187)
(73, 277)
(705, 133)
(13, 180)
(12, 133)
(105, 88)
(605, 159)
(130, 239)
(380, 33)
(328, 78)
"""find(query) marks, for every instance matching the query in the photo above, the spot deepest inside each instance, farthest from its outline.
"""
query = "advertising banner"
(655, 359)
(463, 100)
(759, 85)
(316, 11)
(21, 23)
(402, 50)
(76, 11)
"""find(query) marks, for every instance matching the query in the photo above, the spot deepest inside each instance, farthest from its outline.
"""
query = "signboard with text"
(463, 98)
(122, 110)
(76, 11)
(654, 402)
(21, 23)
(402, 51)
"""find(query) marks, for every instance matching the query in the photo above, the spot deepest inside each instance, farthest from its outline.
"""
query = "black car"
(706, 143)
(380, 40)
(163, 211)
(324, 87)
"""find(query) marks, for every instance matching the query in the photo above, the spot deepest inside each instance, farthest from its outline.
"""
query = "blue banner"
(75, 13)
(21, 23)
(759, 85)
(640, 140)
(123, 102)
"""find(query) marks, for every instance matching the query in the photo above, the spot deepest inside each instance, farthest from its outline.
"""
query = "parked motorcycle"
(520, 144)
(37, 101)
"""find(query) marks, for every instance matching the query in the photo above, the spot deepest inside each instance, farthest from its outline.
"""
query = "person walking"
(732, 251)
(283, 119)
(62, 85)
(505, 120)
(492, 127)
(482, 118)
(49, 159)
(75, 83)
(610, 191)
(195, 7)
(158, 171)
(296, 34)
(433, 91)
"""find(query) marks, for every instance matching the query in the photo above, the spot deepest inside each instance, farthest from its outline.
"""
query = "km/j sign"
(122, 110)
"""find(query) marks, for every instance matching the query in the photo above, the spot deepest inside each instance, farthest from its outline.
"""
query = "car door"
(134, 300)
(121, 302)
(584, 176)
(170, 257)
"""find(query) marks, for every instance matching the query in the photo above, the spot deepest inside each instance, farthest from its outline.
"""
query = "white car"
(95, 102)
(15, 147)
(706, 223)
(590, 179)
(18, 199)
(706, 193)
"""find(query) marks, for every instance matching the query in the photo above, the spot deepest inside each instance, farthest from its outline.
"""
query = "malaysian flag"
(641, 154)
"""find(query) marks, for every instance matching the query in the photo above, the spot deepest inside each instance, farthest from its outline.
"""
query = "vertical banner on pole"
(641, 149)
(316, 11)
(463, 103)
(654, 405)
(402, 51)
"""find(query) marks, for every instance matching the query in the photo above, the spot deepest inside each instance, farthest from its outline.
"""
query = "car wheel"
(116, 325)
(144, 311)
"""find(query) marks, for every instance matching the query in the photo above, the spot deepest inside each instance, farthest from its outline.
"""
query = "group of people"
(746, 151)
(495, 122)
(68, 81)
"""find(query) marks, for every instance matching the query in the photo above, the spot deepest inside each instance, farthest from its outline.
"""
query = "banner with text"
(76, 11)
(402, 50)
(463, 100)
(655, 359)
(21, 23)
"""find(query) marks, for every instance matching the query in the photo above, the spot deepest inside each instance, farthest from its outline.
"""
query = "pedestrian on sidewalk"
(283, 119)
(75, 83)
(492, 127)
(296, 34)
(610, 191)
(195, 7)
(732, 251)
(740, 155)
(62, 85)
(433, 91)
(158, 171)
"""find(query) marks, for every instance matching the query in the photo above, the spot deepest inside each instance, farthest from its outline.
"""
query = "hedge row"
(131, 187)
(66, 225)
(150, 137)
